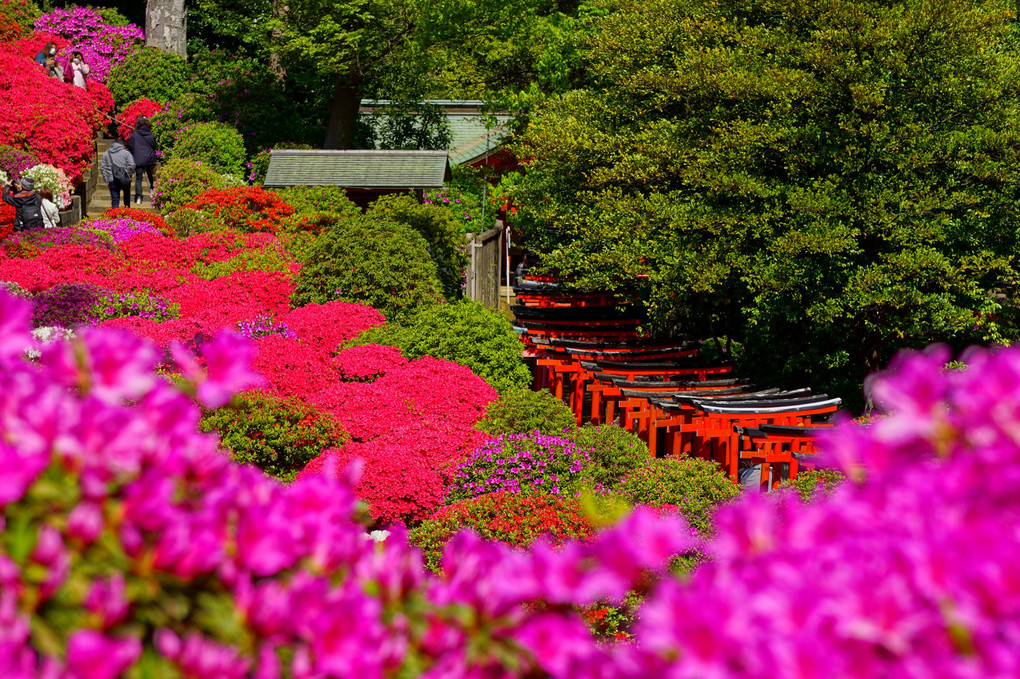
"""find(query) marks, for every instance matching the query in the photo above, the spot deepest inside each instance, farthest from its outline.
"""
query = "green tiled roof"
(468, 136)
(359, 169)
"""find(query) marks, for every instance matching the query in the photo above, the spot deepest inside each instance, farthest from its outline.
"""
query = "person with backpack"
(118, 169)
(27, 204)
(142, 144)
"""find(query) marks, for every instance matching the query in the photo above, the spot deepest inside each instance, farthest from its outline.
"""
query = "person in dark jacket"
(26, 202)
(117, 167)
(142, 144)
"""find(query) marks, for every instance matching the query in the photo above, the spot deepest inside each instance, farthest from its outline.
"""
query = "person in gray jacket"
(118, 168)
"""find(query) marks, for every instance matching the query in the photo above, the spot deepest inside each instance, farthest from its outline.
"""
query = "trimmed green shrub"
(615, 450)
(814, 483)
(467, 333)
(217, 145)
(442, 232)
(179, 182)
(279, 436)
(185, 110)
(369, 261)
(523, 410)
(695, 487)
(510, 518)
(310, 200)
(150, 73)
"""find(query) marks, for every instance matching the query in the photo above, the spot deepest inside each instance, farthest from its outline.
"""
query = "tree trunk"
(276, 66)
(344, 115)
(166, 26)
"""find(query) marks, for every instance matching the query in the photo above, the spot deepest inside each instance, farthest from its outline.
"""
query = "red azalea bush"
(247, 208)
(411, 427)
(327, 325)
(293, 368)
(366, 362)
(54, 121)
(134, 110)
(513, 519)
(240, 296)
(10, 30)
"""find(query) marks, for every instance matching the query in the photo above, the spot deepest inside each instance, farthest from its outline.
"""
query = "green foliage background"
(840, 173)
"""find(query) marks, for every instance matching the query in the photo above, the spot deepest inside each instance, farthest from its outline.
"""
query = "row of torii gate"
(587, 349)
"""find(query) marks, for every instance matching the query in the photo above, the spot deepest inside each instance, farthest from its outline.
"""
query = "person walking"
(117, 167)
(142, 144)
(27, 204)
(50, 213)
(76, 71)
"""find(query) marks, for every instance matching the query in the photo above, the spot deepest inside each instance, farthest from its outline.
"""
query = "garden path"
(101, 198)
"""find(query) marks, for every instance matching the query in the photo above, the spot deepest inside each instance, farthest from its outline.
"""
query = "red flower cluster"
(248, 208)
(426, 410)
(131, 113)
(412, 423)
(367, 362)
(327, 325)
(55, 121)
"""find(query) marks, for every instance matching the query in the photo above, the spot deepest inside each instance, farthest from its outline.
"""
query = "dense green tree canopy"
(829, 180)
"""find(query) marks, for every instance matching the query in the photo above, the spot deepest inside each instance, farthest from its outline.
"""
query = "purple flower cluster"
(14, 161)
(70, 235)
(122, 228)
(67, 306)
(121, 520)
(101, 44)
(523, 463)
(263, 326)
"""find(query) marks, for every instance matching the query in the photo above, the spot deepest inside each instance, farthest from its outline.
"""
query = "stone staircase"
(101, 198)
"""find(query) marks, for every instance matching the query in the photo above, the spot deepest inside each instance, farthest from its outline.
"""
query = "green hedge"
(369, 261)
(148, 72)
(523, 410)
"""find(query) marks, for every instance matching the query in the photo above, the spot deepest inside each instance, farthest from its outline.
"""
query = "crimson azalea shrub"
(440, 231)
(523, 410)
(148, 73)
(279, 436)
(372, 261)
(367, 362)
(179, 181)
(328, 325)
(510, 518)
(695, 487)
(615, 451)
(246, 208)
(524, 463)
(54, 122)
(217, 145)
(133, 111)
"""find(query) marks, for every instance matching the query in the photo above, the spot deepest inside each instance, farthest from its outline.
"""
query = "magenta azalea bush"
(100, 43)
(130, 543)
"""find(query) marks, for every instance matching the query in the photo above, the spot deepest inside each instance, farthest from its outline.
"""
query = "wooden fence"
(483, 271)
